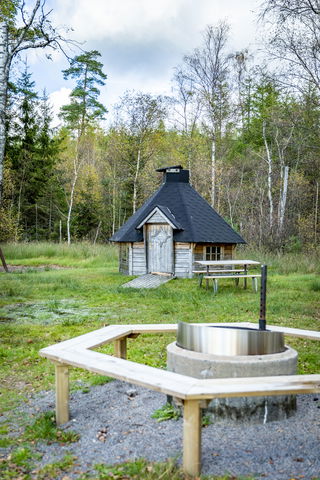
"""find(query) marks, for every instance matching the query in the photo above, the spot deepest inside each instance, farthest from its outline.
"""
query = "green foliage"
(315, 286)
(206, 420)
(56, 469)
(139, 469)
(44, 428)
(8, 10)
(31, 156)
(100, 380)
(84, 107)
(167, 412)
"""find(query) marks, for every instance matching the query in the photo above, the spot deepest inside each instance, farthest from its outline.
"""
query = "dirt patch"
(28, 268)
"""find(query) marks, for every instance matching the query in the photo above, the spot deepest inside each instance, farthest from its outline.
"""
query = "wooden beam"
(120, 348)
(62, 393)
(191, 437)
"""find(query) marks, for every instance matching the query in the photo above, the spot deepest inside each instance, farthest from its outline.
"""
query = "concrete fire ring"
(240, 409)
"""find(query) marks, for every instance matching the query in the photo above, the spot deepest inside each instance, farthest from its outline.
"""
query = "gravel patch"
(115, 425)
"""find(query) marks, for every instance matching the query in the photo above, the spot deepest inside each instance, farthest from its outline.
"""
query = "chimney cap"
(174, 169)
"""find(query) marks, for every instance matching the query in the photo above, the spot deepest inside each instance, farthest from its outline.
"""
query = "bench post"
(192, 437)
(120, 348)
(255, 284)
(62, 393)
(245, 278)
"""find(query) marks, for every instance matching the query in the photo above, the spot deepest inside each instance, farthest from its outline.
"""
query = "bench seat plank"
(208, 277)
(255, 386)
(221, 270)
(162, 381)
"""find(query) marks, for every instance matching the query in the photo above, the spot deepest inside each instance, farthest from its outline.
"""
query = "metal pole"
(263, 293)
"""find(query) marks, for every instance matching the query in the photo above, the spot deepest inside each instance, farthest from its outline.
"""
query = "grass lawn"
(39, 307)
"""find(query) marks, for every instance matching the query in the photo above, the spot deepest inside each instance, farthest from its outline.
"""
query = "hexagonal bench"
(78, 352)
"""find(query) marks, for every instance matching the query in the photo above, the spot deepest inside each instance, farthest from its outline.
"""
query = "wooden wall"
(227, 252)
(124, 254)
(139, 266)
(132, 257)
(183, 259)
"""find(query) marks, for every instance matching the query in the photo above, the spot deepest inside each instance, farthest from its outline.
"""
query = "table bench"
(201, 273)
(194, 393)
(235, 277)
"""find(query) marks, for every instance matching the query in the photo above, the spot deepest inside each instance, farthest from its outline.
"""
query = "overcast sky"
(141, 41)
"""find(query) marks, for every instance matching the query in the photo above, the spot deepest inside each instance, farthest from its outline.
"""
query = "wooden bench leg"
(255, 284)
(192, 437)
(200, 279)
(120, 348)
(62, 393)
(215, 285)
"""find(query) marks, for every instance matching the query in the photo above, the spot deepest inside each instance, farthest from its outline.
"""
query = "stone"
(241, 409)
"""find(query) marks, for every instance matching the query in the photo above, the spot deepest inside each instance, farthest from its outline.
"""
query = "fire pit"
(205, 351)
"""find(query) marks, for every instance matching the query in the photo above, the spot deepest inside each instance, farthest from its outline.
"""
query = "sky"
(141, 41)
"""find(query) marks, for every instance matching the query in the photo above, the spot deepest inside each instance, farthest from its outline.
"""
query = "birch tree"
(187, 109)
(293, 36)
(139, 117)
(21, 29)
(208, 67)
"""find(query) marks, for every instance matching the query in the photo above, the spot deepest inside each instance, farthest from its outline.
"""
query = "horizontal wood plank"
(255, 386)
(154, 378)
(221, 270)
(292, 332)
(208, 277)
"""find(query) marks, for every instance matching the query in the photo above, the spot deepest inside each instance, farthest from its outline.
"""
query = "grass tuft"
(44, 428)
(315, 286)
(167, 412)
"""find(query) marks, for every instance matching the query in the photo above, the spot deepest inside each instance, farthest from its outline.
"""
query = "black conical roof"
(194, 219)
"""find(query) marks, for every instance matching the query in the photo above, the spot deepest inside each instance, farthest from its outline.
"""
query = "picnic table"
(217, 269)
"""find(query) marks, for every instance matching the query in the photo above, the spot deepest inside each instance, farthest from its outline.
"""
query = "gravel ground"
(121, 415)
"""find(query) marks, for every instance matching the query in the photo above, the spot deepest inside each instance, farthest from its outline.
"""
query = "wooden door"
(159, 248)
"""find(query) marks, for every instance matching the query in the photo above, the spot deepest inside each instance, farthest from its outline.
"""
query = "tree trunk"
(3, 261)
(135, 181)
(269, 177)
(213, 171)
(4, 75)
(60, 231)
(316, 213)
(73, 186)
(97, 233)
(283, 198)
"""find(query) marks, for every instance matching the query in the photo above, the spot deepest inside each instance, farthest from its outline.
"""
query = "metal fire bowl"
(229, 341)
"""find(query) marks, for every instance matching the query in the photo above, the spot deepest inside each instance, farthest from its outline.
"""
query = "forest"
(246, 125)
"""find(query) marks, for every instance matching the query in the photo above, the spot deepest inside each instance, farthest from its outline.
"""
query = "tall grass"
(85, 254)
(284, 263)
(81, 254)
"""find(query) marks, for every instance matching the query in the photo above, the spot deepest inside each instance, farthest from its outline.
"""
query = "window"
(212, 253)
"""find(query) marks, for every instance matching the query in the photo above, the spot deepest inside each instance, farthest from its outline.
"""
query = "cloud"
(57, 99)
(142, 41)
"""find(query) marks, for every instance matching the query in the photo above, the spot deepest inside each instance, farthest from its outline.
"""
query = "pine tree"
(81, 114)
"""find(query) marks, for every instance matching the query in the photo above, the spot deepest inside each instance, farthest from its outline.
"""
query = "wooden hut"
(174, 228)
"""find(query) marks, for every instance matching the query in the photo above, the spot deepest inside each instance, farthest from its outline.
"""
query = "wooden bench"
(202, 273)
(235, 277)
(78, 352)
